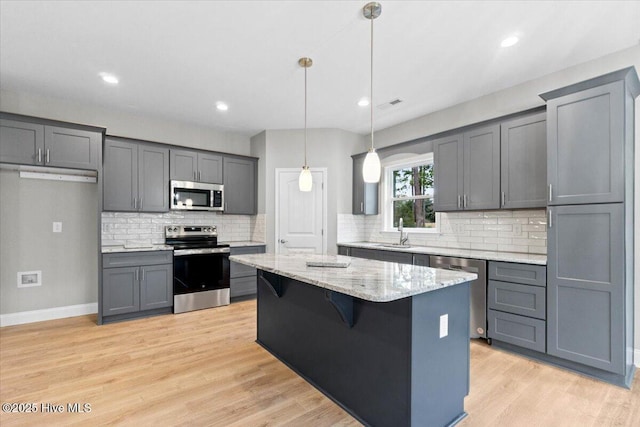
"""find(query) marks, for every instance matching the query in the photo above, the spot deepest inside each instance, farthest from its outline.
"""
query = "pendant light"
(371, 166)
(305, 181)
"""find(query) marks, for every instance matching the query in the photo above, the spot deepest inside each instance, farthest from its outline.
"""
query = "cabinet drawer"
(517, 299)
(243, 286)
(517, 330)
(135, 259)
(526, 274)
(421, 259)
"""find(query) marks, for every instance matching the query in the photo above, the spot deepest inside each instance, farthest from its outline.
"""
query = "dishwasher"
(478, 313)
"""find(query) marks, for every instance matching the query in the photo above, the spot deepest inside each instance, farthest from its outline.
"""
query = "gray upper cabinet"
(44, 145)
(240, 195)
(585, 270)
(189, 165)
(467, 170)
(21, 142)
(523, 163)
(586, 129)
(482, 168)
(136, 176)
(448, 173)
(364, 195)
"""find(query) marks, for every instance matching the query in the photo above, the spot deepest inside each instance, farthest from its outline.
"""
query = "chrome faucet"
(403, 237)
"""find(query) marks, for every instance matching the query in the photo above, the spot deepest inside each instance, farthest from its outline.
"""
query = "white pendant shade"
(305, 181)
(371, 167)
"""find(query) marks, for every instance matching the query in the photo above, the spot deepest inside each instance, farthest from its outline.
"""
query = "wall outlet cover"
(28, 279)
(444, 325)
(57, 227)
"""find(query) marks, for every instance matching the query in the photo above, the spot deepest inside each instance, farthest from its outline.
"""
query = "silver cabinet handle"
(47, 159)
(195, 175)
(459, 201)
(502, 199)
(361, 206)
(283, 241)
(135, 203)
(550, 192)
(140, 203)
(199, 175)
(464, 201)
(39, 155)
(550, 219)
(143, 274)
(137, 274)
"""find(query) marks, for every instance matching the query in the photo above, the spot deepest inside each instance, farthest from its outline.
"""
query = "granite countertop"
(369, 280)
(242, 243)
(135, 248)
(521, 258)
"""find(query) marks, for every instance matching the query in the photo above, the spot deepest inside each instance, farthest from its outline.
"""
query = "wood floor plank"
(204, 368)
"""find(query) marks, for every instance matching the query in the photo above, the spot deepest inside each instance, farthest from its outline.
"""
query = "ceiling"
(175, 60)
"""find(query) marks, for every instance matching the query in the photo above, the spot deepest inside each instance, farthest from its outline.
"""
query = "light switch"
(57, 227)
(444, 325)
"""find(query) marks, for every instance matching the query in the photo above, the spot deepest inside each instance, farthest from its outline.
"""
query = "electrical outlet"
(57, 227)
(444, 325)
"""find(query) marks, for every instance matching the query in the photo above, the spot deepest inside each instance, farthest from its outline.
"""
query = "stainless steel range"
(200, 267)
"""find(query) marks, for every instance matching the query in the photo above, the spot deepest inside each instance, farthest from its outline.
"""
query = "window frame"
(389, 165)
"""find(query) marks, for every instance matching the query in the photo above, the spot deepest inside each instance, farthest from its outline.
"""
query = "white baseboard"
(636, 357)
(51, 314)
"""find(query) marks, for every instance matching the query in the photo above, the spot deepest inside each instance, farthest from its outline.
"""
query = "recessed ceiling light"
(363, 102)
(509, 41)
(222, 106)
(109, 78)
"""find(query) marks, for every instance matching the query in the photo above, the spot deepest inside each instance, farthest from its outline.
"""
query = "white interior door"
(300, 216)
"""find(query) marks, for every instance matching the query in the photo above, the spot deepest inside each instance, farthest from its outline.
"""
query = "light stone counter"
(521, 258)
(137, 248)
(369, 280)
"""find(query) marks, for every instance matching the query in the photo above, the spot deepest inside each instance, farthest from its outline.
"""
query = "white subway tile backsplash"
(511, 231)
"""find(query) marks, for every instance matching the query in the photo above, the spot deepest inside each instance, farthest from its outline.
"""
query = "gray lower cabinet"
(467, 170)
(586, 296)
(135, 282)
(421, 259)
(364, 195)
(523, 162)
(240, 185)
(27, 143)
(382, 255)
(190, 165)
(136, 176)
(516, 301)
(243, 277)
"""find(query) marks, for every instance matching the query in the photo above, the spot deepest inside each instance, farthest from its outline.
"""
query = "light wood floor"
(204, 368)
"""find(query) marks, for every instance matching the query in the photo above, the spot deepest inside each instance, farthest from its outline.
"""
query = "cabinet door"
(153, 178)
(120, 290)
(585, 282)
(71, 148)
(482, 168)
(240, 186)
(447, 173)
(585, 140)
(156, 286)
(184, 165)
(120, 175)
(20, 142)
(523, 162)
(209, 168)
(421, 259)
(364, 195)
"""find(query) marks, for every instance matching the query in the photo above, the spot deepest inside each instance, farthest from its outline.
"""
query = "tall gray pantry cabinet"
(590, 155)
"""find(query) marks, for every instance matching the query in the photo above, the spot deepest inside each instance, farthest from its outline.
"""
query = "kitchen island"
(388, 342)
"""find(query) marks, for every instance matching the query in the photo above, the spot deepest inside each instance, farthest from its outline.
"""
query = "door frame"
(324, 205)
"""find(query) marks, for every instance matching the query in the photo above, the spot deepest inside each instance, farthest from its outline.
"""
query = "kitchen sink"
(393, 245)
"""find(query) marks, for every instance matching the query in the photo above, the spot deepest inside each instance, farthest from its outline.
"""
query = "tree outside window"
(412, 196)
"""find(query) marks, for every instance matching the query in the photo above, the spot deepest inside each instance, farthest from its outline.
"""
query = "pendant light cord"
(371, 103)
(305, 116)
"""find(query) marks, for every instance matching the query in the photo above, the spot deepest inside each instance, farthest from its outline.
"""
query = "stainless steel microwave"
(197, 196)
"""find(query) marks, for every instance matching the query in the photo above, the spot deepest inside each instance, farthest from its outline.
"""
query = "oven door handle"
(184, 252)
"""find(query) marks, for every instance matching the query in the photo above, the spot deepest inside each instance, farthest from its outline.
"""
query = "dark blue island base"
(383, 362)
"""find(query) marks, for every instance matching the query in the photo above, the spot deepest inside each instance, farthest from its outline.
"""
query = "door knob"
(283, 241)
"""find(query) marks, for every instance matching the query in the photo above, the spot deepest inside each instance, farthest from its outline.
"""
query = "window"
(409, 194)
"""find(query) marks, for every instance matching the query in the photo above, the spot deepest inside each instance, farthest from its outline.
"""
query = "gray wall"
(68, 260)
(326, 148)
